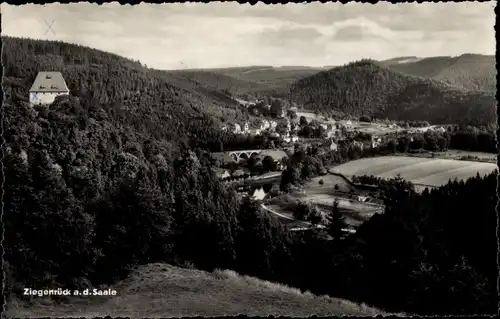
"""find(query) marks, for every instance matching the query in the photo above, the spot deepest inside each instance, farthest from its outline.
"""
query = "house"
(273, 125)
(283, 113)
(246, 128)
(361, 198)
(348, 124)
(324, 126)
(259, 194)
(222, 173)
(291, 138)
(333, 146)
(439, 129)
(224, 128)
(47, 86)
(236, 128)
(255, 131)
(376, 141)
(238, 173)
(265, 125)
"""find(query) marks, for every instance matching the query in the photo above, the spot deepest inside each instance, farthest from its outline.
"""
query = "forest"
(114, 176)
(366, 88)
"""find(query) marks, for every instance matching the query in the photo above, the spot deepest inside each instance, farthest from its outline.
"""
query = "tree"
(301, 211)
(302, 121)
(291, 114)
(315, 216)
(268, 164)
(282, 128)
(277, 107)
(392, 146)
(403, 144)
(336, 221)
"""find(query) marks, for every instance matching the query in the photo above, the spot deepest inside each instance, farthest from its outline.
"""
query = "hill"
(97, 167)
(277, 78)
(164, 290)
(82, 72)
(208, 81)
(368, 88)
(468, 71)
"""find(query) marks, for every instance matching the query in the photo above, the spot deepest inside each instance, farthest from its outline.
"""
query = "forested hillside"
(215, 82)
(89, 72)
(368, 88)
(468, 71)
(103, 167)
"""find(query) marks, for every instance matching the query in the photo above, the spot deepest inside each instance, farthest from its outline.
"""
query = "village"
(292, 128)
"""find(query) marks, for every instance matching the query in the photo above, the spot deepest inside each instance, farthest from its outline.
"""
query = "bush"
(321, 182)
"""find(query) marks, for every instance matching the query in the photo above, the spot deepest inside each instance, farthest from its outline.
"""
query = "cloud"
(222, 34)
(289, 35)
(353, 33)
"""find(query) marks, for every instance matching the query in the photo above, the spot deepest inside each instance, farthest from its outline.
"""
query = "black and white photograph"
(225, 159)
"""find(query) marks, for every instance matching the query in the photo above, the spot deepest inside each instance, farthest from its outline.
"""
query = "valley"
(229, 159)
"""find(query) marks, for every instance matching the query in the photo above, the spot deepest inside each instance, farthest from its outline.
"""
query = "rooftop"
(49, 82)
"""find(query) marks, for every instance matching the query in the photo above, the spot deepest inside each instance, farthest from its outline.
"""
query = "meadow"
(420, 171)
(162, 290)
(324, 194)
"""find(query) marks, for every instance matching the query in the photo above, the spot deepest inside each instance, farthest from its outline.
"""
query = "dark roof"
(49, 82)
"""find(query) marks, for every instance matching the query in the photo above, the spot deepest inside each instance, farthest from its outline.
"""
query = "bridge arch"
(235, 157)
(244, 156)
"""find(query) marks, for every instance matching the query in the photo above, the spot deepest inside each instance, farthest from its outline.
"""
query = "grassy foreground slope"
(368, 88)
(156, 290)
(468, 71)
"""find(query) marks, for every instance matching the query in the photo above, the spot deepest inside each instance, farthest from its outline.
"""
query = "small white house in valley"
(236, 128)
(47, 86)
(246, 128)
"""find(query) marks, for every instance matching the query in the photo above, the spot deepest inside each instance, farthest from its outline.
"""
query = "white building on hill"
(47, 86)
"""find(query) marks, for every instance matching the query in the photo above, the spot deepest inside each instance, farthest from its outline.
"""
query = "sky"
(198, 35)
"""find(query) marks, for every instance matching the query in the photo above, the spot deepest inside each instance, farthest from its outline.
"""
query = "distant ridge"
(368, 87)
(473, 72)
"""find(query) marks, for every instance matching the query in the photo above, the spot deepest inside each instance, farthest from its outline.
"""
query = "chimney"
(48, 76)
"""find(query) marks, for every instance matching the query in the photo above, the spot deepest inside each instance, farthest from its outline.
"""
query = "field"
(420, 171)
(459, 154)
(161, 290)
(324, 195)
